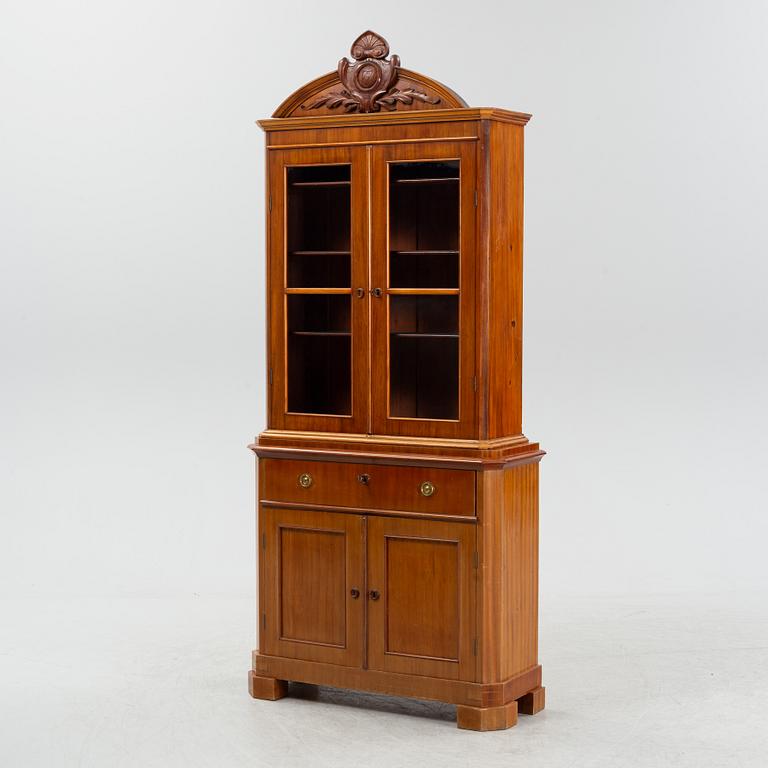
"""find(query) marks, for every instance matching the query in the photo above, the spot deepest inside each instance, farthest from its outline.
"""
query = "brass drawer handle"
(426, 488)
(305, 479)
(364, 479)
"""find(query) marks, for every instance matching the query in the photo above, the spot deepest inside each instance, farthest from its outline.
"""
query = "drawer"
(369, 486)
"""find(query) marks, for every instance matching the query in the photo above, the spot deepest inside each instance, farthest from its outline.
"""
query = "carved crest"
(369, 83)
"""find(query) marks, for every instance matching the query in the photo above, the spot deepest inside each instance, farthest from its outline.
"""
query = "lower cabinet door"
(421, 585)
(311, 585)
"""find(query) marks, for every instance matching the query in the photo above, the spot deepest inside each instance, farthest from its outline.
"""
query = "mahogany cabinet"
(398, 496)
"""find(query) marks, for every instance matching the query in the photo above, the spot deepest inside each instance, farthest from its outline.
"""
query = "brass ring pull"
(305, 479)
(374, 594)
(426, 488)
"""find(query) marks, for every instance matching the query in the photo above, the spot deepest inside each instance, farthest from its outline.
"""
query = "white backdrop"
(131, 290)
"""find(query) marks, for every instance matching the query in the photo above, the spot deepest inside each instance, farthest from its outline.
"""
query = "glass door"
(318, 263)
(422, 276)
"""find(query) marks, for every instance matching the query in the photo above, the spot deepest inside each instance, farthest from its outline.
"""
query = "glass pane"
(318, 226)
(424, 254)
(319, 354)
(424, 224)
(424, 357)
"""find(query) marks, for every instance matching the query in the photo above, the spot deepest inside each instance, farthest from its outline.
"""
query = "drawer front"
(369, 486)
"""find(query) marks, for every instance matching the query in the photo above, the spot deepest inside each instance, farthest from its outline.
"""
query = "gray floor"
(642, 681)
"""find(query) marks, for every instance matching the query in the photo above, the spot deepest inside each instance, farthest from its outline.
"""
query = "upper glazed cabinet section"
(372, 301)
(376, 203)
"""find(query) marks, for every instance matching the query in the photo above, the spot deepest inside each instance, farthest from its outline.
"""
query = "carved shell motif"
(369, 82)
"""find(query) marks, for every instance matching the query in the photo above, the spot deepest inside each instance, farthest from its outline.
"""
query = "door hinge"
(270, 377)
(474, 647)
(475, 200)
(475, 559)
(270, 203)
(263, 620)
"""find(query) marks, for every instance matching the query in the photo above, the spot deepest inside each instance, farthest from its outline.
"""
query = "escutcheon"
(426, 488)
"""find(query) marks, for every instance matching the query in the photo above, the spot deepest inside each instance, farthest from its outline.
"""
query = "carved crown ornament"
(372, 81)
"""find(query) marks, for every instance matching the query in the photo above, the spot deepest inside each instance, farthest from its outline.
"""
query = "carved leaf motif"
(389, 100)
(332, 100)
(408, 96)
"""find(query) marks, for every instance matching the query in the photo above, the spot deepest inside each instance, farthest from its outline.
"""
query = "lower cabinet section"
(391, 601)
(383, 593)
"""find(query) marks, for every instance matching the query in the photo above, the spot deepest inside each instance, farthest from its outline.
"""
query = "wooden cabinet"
(398, 496)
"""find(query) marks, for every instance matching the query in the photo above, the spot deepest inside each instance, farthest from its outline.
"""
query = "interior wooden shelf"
(345, 183)
(426, 253)
(426, 181)
(320, 253)
(320, 333)
(402, 335)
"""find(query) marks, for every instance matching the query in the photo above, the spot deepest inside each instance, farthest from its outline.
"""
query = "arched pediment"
(370, 82)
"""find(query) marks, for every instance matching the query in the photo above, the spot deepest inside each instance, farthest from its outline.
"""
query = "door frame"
(464, 535)
(279, 417)
(352, 527)
(466, 425)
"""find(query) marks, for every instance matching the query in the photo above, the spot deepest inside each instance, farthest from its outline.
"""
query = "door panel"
(312, 609)
(416, 567)
(318, 276)
(422, 260)
(420, 599)
(310, 563)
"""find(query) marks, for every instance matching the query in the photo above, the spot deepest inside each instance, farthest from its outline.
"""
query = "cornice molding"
(396, 118)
